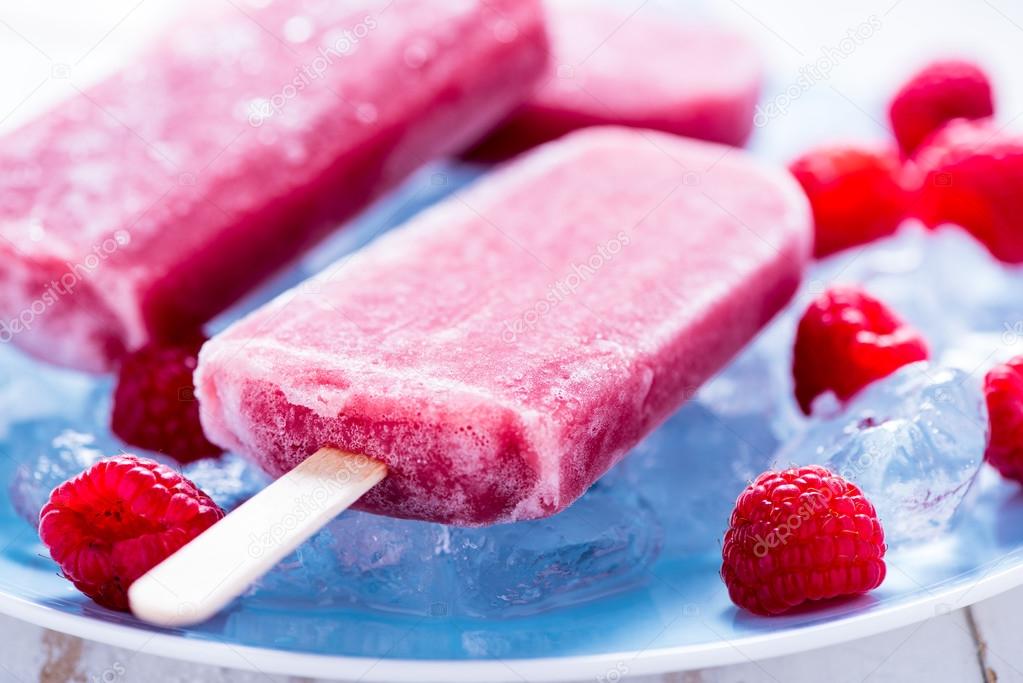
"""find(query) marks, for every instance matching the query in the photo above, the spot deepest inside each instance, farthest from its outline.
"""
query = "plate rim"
(970, 590)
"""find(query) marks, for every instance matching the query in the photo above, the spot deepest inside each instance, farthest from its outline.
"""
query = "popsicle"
(153, 200)
(634, 65)
(492, 359)
(506, 348)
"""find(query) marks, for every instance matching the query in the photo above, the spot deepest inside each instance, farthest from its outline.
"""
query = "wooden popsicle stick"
(201, 578)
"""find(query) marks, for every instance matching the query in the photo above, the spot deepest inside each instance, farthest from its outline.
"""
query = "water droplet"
(418, 53)
(258, 111)
(298, 29)
(36, 233)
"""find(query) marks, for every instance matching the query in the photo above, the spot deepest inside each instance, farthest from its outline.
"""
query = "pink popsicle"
(612, 66)
(505, 348)
(155, 199)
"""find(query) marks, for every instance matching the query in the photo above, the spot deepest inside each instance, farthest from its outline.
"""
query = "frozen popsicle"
(634, 65)
(152, 201)
(490, 360)
(503, 350)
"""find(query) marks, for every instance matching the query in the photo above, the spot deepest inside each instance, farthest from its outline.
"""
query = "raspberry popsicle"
(154, 200)
(488, 362)
(615, 67)
(504, 349)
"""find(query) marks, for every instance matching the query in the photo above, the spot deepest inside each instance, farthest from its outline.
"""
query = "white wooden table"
(58, 44)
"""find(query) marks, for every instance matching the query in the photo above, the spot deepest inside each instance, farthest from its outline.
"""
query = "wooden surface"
(962, 647)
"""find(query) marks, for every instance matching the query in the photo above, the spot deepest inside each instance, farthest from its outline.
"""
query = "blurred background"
(852, 55)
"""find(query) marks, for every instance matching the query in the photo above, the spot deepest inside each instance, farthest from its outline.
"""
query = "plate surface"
(680, 619)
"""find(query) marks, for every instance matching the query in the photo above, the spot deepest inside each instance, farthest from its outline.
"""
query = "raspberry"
(939, 93)
(801, 534)
(972, 175)
(1003, 388)
(846, 340)
(856, 195)
(154, 403)
(117, 520)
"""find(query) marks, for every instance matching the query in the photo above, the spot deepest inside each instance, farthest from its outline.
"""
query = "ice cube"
(899, 271)
(45, 461)
(757, 387)
(602, 545)
(913, 442)
(968, 321)
(53, 424)
(362, 561)
(693, 468)
(229, 479)
(45, 453)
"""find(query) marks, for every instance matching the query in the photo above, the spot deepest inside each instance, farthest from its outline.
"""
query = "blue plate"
(679, 617)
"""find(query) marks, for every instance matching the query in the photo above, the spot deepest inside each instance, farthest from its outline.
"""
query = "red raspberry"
(856, 195)
(846, 340)
(972, 176)
(801, 534)
(154, 403)
(1003, 387)
(117, 520)
(939, 93)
